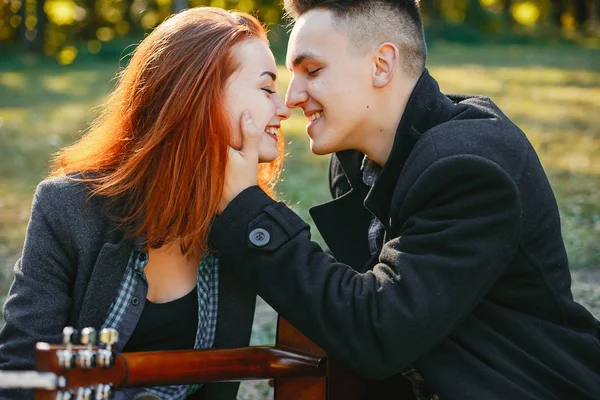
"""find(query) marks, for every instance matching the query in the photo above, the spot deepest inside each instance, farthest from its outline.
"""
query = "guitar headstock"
(88, 371)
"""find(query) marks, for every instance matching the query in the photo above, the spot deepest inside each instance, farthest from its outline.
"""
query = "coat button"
(135, 301)
(259, 237)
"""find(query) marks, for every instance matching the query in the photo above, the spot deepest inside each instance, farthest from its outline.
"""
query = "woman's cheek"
(235, 140)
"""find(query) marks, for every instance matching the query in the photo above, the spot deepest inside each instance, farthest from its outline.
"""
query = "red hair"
(159, 148)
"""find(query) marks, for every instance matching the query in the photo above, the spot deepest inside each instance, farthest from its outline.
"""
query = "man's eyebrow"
(271, 74)
(300, 58)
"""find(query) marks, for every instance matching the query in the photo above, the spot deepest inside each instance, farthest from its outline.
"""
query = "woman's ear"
(386, 59)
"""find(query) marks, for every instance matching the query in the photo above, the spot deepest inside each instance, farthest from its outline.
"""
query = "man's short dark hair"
(372, 22)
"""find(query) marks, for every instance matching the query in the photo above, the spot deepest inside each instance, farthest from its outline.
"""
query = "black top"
(166, 326)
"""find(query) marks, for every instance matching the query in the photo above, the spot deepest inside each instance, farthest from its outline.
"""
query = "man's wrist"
(228, 199)
(238, 213)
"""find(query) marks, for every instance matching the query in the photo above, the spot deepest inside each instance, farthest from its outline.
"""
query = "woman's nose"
(283, 111)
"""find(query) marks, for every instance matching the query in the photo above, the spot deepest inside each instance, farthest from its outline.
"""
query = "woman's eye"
(268, 91)
(314, 72)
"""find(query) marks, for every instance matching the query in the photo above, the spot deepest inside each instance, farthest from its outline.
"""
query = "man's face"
(331, 82)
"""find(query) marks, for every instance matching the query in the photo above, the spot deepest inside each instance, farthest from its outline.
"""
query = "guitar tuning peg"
(108, 337)
(64, 395)
(88, 337)
(103, 392)
(87, 357)
(84, 394)
(69, 336)
(66, 359)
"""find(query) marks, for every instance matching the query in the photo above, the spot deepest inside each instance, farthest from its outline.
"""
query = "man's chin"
(319, 149)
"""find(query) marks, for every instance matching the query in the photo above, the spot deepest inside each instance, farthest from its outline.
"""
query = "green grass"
(553, 94)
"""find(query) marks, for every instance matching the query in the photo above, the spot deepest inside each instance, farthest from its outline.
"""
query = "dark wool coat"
(72, 264)
(472, 286)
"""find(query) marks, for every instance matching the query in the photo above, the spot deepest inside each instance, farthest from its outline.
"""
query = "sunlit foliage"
(56, 27)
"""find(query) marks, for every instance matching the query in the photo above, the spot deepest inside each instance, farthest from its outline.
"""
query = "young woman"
(118, 233)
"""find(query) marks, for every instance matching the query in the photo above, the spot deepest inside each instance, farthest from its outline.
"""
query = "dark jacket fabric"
(472, 286)
(72, 265)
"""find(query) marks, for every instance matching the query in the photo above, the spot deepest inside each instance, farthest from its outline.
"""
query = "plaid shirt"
(126, 309)
(370, 172)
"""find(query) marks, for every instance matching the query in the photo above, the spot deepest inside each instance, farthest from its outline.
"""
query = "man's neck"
(379, 139)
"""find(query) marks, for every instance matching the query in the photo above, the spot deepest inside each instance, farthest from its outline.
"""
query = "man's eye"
(268, 91)
(314, 72)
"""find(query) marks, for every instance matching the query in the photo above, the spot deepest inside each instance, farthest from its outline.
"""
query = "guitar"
(300, 368)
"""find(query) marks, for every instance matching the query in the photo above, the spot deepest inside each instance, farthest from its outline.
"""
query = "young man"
(448, 265)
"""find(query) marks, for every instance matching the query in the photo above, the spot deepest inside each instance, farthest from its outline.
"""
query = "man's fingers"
(250, 137)
(242, 166)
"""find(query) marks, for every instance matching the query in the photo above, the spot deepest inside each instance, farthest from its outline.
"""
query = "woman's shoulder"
(66, 196)
(62, 184)
(61, 191)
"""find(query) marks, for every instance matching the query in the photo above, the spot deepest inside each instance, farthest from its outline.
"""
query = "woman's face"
(252, 88)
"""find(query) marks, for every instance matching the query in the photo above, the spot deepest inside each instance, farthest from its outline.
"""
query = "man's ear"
(386, 60)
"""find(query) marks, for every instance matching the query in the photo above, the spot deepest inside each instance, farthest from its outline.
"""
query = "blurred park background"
(538, 59)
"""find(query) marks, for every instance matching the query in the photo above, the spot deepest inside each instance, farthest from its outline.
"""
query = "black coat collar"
(426, 108)
(352, 212)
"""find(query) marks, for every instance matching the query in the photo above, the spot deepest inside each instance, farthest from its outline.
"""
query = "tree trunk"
(179, 5)
(431, 10)
(91, 21)
(41, 27)
(510, 21)
(594, 13)
(33, 39)
(580, 12)
(558, 8)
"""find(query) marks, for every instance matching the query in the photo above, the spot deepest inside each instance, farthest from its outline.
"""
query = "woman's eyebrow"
(271, 74)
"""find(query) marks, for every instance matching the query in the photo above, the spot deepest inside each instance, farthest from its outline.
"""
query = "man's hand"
(242, 166)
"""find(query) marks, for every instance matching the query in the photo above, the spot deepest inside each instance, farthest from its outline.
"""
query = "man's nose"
(296, 95)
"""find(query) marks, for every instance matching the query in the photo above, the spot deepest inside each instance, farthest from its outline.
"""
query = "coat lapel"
(104, 282)
(344, 222)
(345, 214)
(427, 107)
(237, 300)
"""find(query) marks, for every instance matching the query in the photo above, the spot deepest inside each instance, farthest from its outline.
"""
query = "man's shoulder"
(478, 116)
(476, 127)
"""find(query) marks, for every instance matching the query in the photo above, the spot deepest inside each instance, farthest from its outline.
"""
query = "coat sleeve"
(462, 230)
(38, 301)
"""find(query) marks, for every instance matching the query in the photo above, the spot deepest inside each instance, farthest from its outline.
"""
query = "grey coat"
(72, 264)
